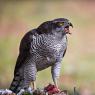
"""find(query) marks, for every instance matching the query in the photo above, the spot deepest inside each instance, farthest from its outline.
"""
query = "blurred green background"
(19, 16)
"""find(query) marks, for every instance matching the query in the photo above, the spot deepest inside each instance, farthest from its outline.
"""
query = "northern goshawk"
(41, 48)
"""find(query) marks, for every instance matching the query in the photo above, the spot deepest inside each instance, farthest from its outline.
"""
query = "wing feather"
(24, 50)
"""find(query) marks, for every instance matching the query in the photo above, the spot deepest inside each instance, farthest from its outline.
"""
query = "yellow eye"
(61, 23)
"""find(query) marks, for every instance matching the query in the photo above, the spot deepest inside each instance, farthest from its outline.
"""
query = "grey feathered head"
(56, 25)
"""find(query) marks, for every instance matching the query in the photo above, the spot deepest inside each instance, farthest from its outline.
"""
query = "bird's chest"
(49, 47)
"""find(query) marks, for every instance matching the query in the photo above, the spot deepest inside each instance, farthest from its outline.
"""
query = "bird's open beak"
(67, 31)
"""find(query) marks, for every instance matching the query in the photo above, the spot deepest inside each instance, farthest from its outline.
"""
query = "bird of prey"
(40, 48)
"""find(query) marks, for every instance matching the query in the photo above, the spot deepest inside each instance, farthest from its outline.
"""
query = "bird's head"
(57, 25)
(62, 25)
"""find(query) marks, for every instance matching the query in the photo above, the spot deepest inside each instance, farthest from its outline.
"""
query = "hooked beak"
(67, 31)
(70, 24)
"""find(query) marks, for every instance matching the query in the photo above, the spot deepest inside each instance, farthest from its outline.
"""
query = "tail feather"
(15, 83)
